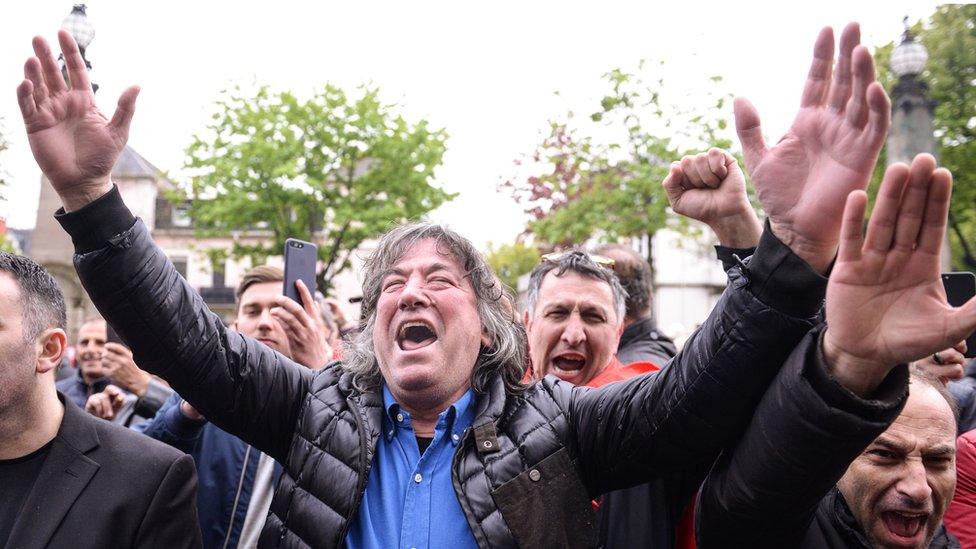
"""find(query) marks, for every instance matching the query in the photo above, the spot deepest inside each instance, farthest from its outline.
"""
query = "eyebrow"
(942, 450)
(434, 267)
(889, 444)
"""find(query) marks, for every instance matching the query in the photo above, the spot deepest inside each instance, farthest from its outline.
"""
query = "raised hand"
(120, 366)
(947, 364)
(74, 144)
(303, 326)
(830, 150)
(885, 300)
(709, 187)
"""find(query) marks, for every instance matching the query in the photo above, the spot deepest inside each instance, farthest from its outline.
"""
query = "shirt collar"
(455, 419)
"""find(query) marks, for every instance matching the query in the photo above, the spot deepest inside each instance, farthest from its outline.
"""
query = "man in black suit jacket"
(69, 479)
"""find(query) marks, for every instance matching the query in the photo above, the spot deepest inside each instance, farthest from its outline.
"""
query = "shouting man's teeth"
(414, 335)
(568, 364)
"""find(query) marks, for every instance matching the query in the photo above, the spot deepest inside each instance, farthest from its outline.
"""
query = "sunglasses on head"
(601, 260)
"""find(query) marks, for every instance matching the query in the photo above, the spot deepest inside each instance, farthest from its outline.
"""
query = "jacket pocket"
(547, 505)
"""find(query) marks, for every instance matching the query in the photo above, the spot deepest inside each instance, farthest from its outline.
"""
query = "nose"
(573, 333)
(412, 295)
(914, 484)
(266, 322)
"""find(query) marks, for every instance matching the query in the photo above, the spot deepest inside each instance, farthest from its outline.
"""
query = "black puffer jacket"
(774, 487)
(529, 465)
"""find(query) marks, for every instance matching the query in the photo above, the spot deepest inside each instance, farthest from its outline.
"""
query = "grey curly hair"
(505, 356)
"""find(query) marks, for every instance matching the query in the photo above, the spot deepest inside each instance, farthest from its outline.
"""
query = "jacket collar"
(65, 474)
(638, 330)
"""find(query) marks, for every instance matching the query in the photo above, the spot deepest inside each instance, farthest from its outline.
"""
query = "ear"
(526, 320)
(233, 326)
(620, 330)
(50, 345)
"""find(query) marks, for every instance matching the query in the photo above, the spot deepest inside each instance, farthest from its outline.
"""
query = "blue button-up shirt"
(410, 500)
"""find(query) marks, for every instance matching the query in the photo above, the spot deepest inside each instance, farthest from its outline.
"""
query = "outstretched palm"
(74, 144)
(885, 302)
(829, 151)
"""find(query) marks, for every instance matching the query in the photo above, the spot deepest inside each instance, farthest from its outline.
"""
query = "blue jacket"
(225, 464)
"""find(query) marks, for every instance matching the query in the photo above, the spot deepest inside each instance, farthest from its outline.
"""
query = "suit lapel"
(64, 475)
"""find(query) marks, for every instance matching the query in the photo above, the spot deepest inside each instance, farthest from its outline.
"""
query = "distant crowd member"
(66, 478)
(641, 341)
(132, 395)
(425, 435)
(236, 479)
(91, 376)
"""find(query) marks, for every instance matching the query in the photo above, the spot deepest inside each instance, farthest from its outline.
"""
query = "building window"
(181, 215)
(180, 264)
(218, 274)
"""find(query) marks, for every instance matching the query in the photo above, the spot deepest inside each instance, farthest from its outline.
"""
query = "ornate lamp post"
(912, 111)
(81, 29)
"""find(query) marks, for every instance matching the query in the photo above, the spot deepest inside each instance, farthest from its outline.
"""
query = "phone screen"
(960, 288)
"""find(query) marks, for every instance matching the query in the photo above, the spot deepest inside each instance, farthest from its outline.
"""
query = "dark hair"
(506, 355)
(258, 275)
(40, 297)
(924, 377)
(634, 273)
(579, 262)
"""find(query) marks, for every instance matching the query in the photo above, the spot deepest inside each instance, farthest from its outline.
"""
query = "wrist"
(819, 255)
(141, 385)
(857, 374)
(741, 230)
(86, 193)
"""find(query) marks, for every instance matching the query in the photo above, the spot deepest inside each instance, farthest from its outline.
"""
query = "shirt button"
(417, 478)
(400, 417)
(535, 475)
(455, 437)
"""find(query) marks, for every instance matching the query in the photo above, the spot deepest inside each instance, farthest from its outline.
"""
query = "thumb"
(123, 113)
(748, 128)
(672, 183)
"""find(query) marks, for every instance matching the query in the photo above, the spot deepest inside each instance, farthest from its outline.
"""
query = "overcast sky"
(484, 71)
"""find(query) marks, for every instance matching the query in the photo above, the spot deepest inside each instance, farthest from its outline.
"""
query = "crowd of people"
(810, 409)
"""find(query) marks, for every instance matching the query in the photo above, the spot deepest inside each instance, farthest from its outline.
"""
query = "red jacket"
(960, 517)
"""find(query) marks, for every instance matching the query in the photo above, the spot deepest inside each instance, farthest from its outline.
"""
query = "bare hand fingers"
(122, 118)
(851, 240)
(840, 88)
(879, 116)
(290, 322)
(52, 72)
(863, 76)
(913, 203)
(881, 226)
(32, 71)
(718, 162)
(25, 98)
(308, 302)
(704, 169)
(936, 214)
(693, 179)
(818, 79)
(77, 71)
(749, 130)
(674, 183)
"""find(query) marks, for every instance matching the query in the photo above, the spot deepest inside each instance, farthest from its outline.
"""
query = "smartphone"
(300, 259)
(111, 336)
(960, 288)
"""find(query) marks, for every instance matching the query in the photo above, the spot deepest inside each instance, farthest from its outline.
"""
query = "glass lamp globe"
(78, 25)
(909, 58)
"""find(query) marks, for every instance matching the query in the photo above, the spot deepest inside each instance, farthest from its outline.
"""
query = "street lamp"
(912, 129)
(81, 29)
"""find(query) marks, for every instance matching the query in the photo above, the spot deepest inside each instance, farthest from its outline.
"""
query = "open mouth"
(904, 525)
(568, 364)
(415, 335)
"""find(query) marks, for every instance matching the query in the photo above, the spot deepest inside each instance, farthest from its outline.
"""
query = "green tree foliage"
(604, 180)
(950, 38)
(511, 261)
(335, 169)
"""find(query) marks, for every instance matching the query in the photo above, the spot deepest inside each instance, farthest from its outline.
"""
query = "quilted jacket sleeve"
(807, 430)
(240, 385)
(680, 418)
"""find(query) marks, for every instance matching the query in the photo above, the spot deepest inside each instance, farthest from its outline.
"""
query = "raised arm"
(885, 307)
(705, 398)
(239, 384)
